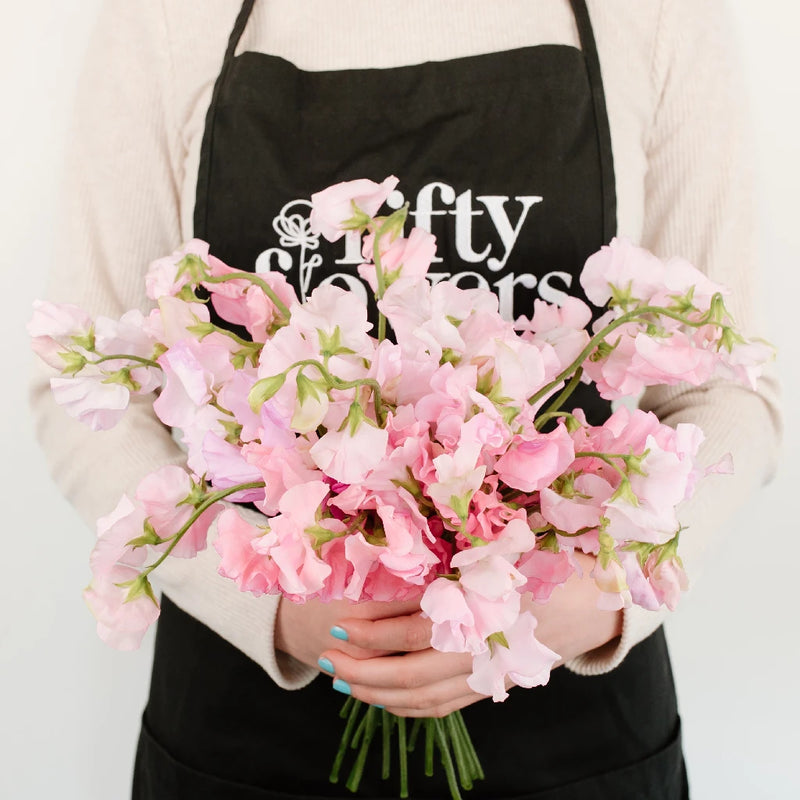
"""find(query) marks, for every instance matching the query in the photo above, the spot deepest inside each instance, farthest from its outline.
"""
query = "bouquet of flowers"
(439, 464)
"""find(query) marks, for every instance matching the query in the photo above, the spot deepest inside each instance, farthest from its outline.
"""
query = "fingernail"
(339, 633)
(325, 664)
(342, 686)
(377, 706)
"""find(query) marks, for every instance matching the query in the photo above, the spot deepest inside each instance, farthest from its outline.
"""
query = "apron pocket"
(159, 776)
(660, 776)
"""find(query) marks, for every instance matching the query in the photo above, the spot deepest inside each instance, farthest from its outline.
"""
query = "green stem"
(564, 396)
(148, 362)
(447, 760)
(606, 457)
(462, 762)
(477, 769)
(403, 753)
(380, 277)
(338, 383)
(353, 708)
(354, 779)
(631, 316)
(543, 418)
(386, 726)
(263, 285)
(209, 501)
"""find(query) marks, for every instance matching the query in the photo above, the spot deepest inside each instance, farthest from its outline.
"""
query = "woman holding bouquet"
(526, 138)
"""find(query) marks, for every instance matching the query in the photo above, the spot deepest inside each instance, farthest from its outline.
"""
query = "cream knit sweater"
(680, 155)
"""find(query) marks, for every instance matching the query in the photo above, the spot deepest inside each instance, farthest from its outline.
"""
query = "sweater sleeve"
(121, 210)
(699, 205)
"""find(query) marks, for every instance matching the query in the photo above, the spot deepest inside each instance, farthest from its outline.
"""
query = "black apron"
(506, 157)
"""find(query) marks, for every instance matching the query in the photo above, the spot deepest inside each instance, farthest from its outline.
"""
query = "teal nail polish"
(342, 686)
(325, 664)
(380, 707)
(339, 633)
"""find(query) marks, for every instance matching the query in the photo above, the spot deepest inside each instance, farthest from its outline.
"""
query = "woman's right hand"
(303, 630)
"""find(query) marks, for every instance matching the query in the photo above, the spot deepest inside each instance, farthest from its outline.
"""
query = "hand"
(303, 630)
(422, 682)
(416, 681)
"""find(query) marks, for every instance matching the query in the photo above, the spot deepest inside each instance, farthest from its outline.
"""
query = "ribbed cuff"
(637, 624)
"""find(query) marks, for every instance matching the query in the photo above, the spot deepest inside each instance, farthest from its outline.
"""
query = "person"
(526, 135)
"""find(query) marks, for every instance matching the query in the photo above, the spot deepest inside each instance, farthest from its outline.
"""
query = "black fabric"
(506, 157)
(216, 727)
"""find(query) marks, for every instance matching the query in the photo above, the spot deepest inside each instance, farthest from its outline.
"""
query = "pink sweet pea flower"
(52, 328)
(227, 467)
(281, 469)
(545, 571)
(89, 399)
(252, 571)
(407, 258)
(348, 456)
(623, 265)
(526, 661)
(457, 478)
(162, 278)
(582, 510)
(161, 494)
(302, 572)
(121, 624)
(244, 303)
(533, 464)
(333, 207)
(124, 524)
(667, 578)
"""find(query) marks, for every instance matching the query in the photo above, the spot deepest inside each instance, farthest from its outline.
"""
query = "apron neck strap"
(238, 29)
(590, 54)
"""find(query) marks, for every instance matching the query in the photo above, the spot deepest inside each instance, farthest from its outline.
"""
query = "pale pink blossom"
(162, 278)
(333, 207)
(52, 329)
(458, 477)
(526, 661)
(121, 623)
(161, 495)
(348, 455)
(90, 399)
(407, 258)
(668, 579)
(545, 571)
(532, 464)
(252, 571)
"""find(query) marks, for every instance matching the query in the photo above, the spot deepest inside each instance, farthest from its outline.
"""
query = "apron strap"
(204, 172)
(238, 30)
(589, 47)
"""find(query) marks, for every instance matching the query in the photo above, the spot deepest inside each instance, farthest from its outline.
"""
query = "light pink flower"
(162, 278)
(114, 530)
(333, 207)
(458, 477)
(407, 258)
(533, 464)
(545, 571)
(52, 328)
(526, 661)
(252, 571)
(349, 455)
(120, 624)
(243, 302)
(668, 579)
(281, 469)
(89, 399)
(161, 495)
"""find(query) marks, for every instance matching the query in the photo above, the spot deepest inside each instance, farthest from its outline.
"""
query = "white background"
(69, 706)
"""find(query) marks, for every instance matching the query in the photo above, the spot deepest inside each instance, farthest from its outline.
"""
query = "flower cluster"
(439, 464)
